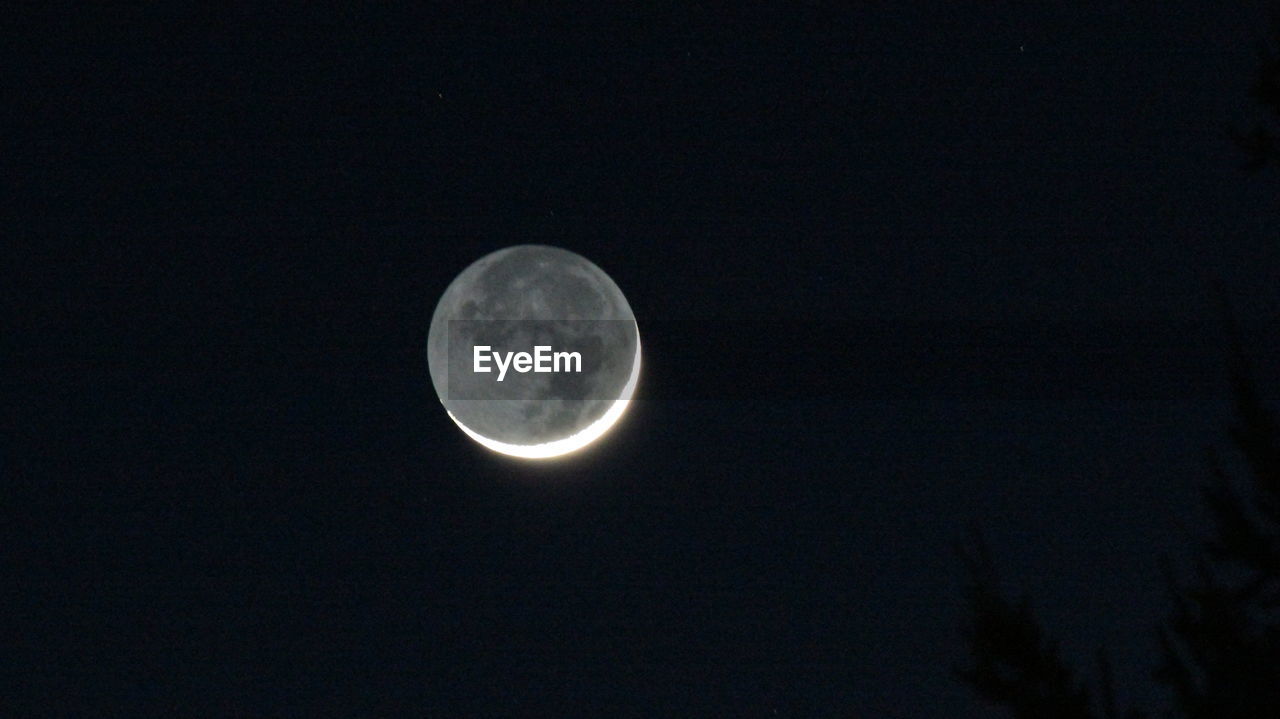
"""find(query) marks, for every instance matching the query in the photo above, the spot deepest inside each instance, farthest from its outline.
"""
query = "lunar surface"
(514, 300)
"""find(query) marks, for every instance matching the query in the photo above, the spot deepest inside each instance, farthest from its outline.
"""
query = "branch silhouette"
(1221, 647)
(1013, 663)
(1261, 144)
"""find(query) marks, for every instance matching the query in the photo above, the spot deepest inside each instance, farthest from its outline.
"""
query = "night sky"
(899, 270)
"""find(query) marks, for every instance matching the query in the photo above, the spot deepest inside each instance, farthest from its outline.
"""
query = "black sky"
(844, 231)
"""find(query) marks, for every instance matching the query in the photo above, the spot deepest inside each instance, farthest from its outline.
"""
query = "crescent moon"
(561, 447)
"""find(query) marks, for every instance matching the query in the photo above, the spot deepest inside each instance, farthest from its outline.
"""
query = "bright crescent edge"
(561, 447)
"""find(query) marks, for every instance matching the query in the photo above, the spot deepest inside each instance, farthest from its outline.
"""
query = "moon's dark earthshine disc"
(520, 297)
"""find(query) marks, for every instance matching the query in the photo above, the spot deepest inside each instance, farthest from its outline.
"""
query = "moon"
(515, 300)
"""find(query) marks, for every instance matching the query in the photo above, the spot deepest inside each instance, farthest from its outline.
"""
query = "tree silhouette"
(1220, 647)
